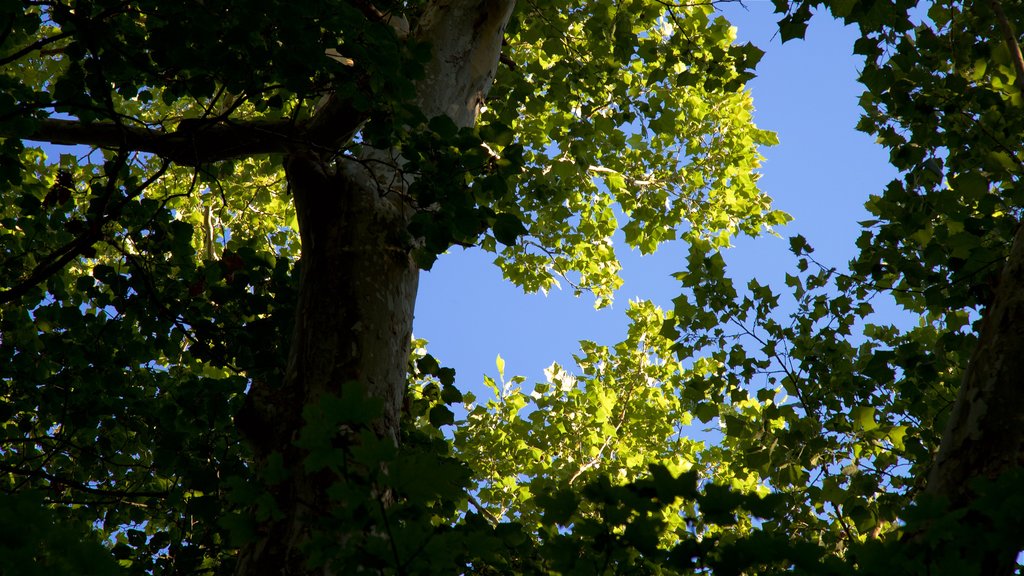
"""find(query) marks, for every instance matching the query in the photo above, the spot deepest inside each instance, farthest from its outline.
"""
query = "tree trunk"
(985, 431)
(358, 284)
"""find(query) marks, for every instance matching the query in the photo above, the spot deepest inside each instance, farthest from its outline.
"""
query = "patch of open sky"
(821, 173)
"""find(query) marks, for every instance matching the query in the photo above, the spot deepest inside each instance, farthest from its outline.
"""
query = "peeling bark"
(358, 283)
(466, 37)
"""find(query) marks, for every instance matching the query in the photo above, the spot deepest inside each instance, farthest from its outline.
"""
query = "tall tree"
(207, 302)
(897, 450)
(153, 289)
(944, 94)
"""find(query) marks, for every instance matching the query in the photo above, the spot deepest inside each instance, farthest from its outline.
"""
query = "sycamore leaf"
(507, 227)
(863, 418)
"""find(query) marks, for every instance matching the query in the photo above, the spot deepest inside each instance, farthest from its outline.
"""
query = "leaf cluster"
(740, 430)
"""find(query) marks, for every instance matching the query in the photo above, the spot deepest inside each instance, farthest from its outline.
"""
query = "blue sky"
(821, 173)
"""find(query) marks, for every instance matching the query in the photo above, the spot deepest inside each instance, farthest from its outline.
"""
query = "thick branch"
(466, 37)
(193, 143)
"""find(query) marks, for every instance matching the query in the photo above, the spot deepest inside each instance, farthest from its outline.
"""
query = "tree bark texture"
(985, 431)
(358, 282)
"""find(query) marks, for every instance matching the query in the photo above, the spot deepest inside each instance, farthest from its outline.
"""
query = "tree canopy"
(206, 362)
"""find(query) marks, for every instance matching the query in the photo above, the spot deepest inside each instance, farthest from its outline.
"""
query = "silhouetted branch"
(193, 143)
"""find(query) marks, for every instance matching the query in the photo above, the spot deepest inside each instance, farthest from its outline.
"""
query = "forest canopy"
(206, 356)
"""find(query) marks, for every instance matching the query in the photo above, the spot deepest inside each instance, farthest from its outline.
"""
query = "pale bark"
(358, 282)
(353, 325)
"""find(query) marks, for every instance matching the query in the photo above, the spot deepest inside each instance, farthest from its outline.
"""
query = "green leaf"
(668, 330)
(616, 182)
(507, 228)
(842, 8)
(440, 415)
(428, 365)
(971, 184)
(791, 28)
(451, 395)
(863, 418)
(706, 412)
(559, 507)
(896, 435)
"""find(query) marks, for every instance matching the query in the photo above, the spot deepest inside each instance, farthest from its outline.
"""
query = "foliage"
(658, 127)
(143, 295)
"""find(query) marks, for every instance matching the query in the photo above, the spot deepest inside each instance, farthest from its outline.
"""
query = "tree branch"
(55, 261)
(203, 141)
(193, 143)
(37, 45)
(82, 487)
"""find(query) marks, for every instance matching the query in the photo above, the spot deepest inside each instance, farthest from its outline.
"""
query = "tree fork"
(357, 285)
